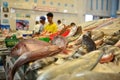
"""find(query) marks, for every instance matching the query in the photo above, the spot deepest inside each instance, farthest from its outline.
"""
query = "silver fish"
(89, 75)
(86, 62)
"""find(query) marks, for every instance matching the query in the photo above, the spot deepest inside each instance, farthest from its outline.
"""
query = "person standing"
(39, 25)
(51, 27)
(36, 27)
(73, 29)
(42, 23)
(60, 25)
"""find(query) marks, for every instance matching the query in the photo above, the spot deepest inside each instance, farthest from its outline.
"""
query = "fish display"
(97, 35)
(33, 55)
(89, 52)
(86, 62)
(45, 51)
(40, 63)
(76, 35)
(87, 75)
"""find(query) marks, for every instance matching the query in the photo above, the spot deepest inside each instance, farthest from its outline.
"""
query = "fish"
(117, 44)
(110, 53)
(89, 75)
(27, 45)
(33, 55)
(113, 39)
(46, 51)
(34, 44)
(86, 62)
(88, 43)
(98, 35)
(60, 41)
(76, 35)
(40, 64)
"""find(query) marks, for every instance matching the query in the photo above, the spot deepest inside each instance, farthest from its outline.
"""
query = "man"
(73, 29)
(60, 25)
(38, 28)
(51, 27)
(42, 23)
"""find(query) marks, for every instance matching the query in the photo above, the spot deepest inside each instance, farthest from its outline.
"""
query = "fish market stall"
(89, 53)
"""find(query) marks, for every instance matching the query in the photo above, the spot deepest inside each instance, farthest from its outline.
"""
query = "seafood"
(89, 75)
(27, 45)
(59, 41)
(32, 45)
(88, 33)
(88, 43)
(97, 35)
(113, 38)
(110, 53)
(96, 25)
(76, 35)
(45, 51)
(39, 64)
(86, 62)
(117, 44)
(33, 55)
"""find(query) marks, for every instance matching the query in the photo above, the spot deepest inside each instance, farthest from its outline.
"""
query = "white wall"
(76, 10)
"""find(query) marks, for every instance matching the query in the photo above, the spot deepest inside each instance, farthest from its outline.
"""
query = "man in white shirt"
(73, 29)
(36, 27)
(60, 25)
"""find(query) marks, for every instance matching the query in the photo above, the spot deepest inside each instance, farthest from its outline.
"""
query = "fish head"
(18, 49)
(85, 37)
(59, 41)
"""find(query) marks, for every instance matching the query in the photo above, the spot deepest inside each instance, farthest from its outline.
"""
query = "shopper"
(60, 25)
(42, 23)
(36, 27)
(73, 29)
(51, 27)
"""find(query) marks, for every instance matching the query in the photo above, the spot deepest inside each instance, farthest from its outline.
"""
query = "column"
(119, 6)
(114, 6)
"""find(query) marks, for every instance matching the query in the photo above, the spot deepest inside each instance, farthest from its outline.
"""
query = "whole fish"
(76, 35)
(33, 55)
(86, 62)
(97, 35)
(40, 64)
(33, 44)
(89, 75)
(27, 45)
(88, 43)
(45, 51)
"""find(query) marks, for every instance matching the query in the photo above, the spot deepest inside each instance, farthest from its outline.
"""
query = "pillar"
(114, 6)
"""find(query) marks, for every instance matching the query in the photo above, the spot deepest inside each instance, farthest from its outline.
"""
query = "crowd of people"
(52, 28)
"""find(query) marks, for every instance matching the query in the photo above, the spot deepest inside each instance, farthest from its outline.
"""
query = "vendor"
(51, 27)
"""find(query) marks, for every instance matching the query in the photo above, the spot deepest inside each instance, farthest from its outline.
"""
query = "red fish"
(27, 45)
(42, 52)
